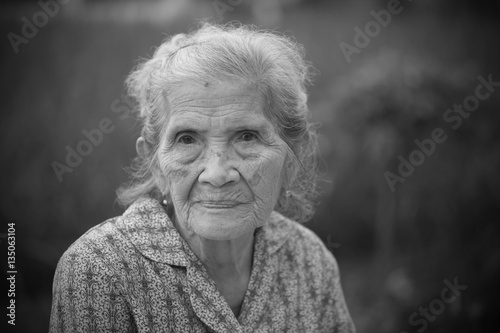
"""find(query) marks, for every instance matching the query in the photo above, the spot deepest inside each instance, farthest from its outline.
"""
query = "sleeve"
(323, 289)
(86, 297)
(337, 312)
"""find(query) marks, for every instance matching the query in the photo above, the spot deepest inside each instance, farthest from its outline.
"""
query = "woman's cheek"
(186, 155)
(177, 175)
(263, 175)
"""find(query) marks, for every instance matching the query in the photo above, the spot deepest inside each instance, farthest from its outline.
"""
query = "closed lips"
(219, 203)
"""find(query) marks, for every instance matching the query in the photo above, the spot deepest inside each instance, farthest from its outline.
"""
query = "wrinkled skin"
(222, 160)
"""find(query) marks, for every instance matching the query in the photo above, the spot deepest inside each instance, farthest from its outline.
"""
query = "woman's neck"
(228, 263)
(224, 258)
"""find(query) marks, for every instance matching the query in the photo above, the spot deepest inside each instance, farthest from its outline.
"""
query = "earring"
(169, 208)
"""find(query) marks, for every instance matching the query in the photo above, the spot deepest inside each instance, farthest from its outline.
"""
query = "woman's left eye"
(186, 139)
(248, 136)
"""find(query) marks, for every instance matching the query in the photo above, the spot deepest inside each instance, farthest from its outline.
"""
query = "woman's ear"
(144, 151)
(142, 147)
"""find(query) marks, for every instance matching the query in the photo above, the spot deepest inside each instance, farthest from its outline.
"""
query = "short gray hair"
(274, 63)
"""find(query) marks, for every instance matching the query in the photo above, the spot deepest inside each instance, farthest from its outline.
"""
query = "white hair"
(271, 62)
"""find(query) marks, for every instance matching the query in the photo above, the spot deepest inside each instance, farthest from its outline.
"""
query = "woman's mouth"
(219, 204)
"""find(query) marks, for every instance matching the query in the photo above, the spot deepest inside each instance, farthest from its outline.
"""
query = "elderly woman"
(226, 152)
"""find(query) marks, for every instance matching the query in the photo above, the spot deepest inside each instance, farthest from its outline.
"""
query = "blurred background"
(398, 235)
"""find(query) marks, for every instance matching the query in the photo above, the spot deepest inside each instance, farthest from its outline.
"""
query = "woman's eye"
(186, 139)
(248, 136)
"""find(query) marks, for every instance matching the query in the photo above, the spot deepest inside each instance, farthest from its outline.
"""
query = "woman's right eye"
(186, 139)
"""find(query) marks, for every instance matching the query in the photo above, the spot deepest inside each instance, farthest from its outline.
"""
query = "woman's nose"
(219, 170)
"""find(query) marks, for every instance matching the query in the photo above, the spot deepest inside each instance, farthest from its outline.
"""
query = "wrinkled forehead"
(211, 94)
(230, 103)
(202, 102)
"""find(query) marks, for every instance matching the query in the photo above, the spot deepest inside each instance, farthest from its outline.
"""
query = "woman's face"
(221, 159)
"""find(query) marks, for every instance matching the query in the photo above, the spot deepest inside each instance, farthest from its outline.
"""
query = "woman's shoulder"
(98, 243)
(303, 254)
(298, 240)
(293, 232)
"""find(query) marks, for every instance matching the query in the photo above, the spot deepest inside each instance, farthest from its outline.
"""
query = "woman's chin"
(220, 229)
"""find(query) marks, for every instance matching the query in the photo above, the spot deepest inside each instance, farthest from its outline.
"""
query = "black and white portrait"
(250, 166)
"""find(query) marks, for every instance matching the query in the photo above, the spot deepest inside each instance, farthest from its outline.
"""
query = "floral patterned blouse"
(135, 273)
